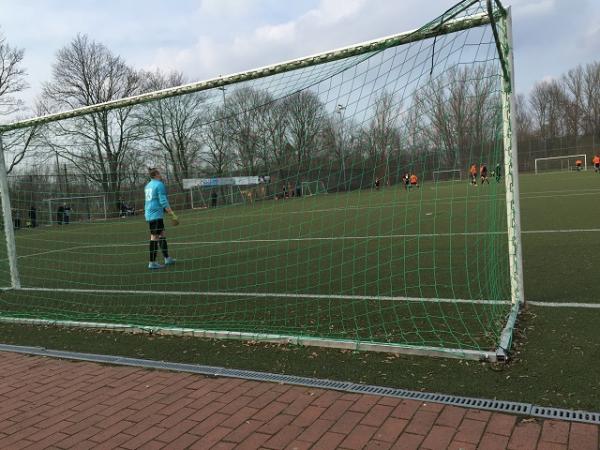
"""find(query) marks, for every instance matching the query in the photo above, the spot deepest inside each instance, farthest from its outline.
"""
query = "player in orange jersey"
(473, 172)
(414, 181)
(596, 162)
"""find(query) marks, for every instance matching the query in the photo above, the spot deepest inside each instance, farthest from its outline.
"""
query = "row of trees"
(560, 116)
(249, 131)
(450, 121)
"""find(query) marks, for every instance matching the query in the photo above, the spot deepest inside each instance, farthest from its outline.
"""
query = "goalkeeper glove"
(174, 219)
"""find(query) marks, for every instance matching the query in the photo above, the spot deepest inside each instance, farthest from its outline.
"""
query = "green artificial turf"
(556, 351)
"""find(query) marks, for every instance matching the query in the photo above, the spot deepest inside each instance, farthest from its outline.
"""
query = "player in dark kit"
(498, 173)
(484, 174)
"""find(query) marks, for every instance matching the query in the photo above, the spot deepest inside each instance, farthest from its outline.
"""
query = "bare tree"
(305, 118)
(12, 77)
(244, 108)
(591, 99)
(86, 73)
(218, 152)
(173, 125)
(573, 84)
(16, 144)
(523, 116)
(383, 133)
(547, 101)
(459, 111)
(276, 152)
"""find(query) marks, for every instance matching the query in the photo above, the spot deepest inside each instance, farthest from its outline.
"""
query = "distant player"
(414, 181)
(377, 183)
(596, 162)
(484, 174)
(60, 214)
(578, 164)
(32, 216)
(406, 180)
(473, 172)
(498, 173)
(155, 206)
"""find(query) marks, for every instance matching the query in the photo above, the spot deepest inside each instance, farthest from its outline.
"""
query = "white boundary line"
(263, 294)
(568, 230)
(401, 203)
(354, 345)
(307, 296)
(315, 238)
(565, 305)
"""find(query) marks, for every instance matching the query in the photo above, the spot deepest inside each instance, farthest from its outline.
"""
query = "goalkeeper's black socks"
(164, 247)
(153, 250)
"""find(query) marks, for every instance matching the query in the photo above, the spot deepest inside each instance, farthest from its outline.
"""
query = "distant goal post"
(313, 188)
(560, 163)
(447, 175)
(83, 207)
(210, 192)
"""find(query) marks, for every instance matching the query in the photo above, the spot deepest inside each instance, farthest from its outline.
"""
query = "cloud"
(262, 45)
(228, 8)
(534, 8)
(206, 38)
(327, 25)
(333, 11)
(282, 33)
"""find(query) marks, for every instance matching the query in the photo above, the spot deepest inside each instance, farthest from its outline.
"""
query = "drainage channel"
(524, 409)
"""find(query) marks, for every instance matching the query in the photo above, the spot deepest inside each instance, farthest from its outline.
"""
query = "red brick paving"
(51, 403)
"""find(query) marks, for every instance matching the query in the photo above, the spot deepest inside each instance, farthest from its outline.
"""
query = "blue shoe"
(154, 265)
(170, 261)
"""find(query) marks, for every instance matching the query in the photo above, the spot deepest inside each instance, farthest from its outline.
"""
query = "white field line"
(307, 296)
(262, 212)
(568, 230)
(399, 204)
(314, 238)
(264, 295)
(564, 305)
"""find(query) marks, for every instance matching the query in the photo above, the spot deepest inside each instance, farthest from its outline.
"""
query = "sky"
(208, 38)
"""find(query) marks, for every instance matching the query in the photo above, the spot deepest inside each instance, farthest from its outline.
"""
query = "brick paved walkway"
(49, 403)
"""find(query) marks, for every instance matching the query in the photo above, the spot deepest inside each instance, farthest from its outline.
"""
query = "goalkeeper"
(156, 204)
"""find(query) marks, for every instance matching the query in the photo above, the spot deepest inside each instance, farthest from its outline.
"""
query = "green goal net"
(387, 260)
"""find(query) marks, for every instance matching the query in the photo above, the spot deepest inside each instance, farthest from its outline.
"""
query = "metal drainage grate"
(465, 402)
(565, 414)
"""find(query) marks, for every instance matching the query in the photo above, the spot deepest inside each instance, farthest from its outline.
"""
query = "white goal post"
(567, 162)
(77, 201)
(205, 192)
(312, 188)
(447, 175)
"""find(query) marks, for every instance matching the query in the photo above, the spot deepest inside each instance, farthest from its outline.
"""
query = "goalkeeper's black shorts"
(156, 226)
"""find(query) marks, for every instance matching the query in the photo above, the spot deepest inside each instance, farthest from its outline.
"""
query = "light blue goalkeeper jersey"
(155, 193)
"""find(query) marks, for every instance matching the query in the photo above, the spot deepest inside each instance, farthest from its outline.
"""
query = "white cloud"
(206, 38)
(282, 33)
(330, 12)
(534, 7)
(225, 8)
